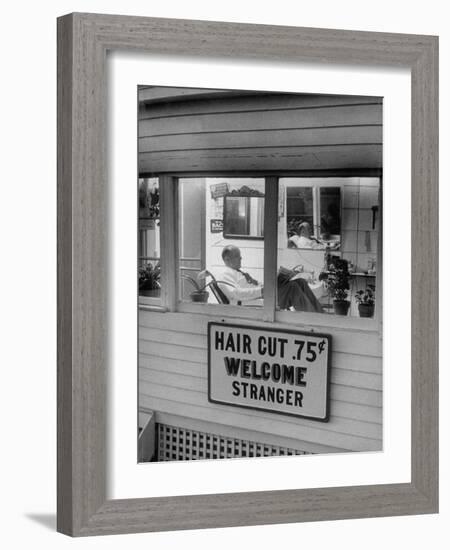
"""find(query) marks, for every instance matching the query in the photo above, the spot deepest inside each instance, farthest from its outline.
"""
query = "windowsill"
(327, 320)
(220, 310)
(303, 320)
(151, 304)
(156, 309)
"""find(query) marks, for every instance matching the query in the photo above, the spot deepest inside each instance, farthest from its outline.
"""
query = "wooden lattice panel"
(181, 444)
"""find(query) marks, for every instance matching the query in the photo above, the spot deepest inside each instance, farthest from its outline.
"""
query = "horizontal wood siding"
(173, 381)
(261, 132)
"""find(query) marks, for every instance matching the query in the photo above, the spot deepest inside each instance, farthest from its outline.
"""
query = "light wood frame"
(83, 40)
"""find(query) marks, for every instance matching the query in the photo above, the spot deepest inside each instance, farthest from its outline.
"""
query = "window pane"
(330, 212)
(149, 238)
(299, 209)
(329, 267)
(221, 240)
(191, 233)
(243, 217)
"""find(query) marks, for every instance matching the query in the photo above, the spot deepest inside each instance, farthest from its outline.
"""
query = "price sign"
(273, 370)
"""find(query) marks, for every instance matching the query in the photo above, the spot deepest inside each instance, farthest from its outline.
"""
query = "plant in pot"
(337, 280)
(200, 294)
(149, 280)
(366, 301)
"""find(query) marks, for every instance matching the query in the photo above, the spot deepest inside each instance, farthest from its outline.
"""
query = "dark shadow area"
(47, 520)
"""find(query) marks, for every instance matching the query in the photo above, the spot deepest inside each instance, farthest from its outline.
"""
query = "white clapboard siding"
(198, 397)
(262, 123)
(339, 409)
(362, 371)
(246, 102)
(173, 380)
(198, 356)
(151, 94)
(230, 416)
(326, 157)
(286, 138)
(343, 392)
(349, 361)
(362, 343)
(185, 366)
(263, 132)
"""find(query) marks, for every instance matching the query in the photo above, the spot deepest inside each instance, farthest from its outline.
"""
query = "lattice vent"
(181, 444)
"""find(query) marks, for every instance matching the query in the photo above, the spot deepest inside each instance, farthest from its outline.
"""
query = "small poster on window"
(216, 226)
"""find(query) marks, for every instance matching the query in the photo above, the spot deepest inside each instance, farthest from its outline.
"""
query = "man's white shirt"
(237, 289)
(304, 242)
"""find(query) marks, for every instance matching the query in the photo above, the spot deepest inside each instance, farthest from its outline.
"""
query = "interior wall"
(359, 232)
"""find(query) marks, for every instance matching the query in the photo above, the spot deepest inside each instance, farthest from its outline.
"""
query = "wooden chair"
(219, 294)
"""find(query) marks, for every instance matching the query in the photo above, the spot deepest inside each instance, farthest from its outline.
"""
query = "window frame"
(169, 300)
(233, 236)
(316, 187)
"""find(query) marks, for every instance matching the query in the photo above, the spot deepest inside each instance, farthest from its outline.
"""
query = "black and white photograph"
(221, 275)
(259, 272)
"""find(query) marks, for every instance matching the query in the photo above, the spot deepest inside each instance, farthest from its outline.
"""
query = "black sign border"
(326, 418)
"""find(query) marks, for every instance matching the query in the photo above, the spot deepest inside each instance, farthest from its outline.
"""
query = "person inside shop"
(304, 238)
(240, 287)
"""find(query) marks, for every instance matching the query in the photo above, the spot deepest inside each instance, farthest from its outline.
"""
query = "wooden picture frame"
(83, 40)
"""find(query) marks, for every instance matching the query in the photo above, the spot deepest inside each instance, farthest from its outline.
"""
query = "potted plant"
(200, 294)
(366, 301)
(149, 280)
(337, 281)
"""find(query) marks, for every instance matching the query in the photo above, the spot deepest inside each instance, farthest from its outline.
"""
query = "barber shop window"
(275, 246)
(328, 245)
(221, 241)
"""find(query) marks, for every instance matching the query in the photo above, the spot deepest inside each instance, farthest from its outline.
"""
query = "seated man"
(304, 238)
(240, 287)
(295, 293)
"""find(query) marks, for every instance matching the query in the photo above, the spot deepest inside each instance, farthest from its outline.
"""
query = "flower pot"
(341, 307)
(153, 292)
(366, 310)
(199, 296)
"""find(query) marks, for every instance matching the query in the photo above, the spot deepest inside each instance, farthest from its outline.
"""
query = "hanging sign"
(273, 370)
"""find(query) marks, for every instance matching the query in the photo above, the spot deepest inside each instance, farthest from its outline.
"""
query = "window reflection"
(243, 217)
(313, 214)
(330, 213)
